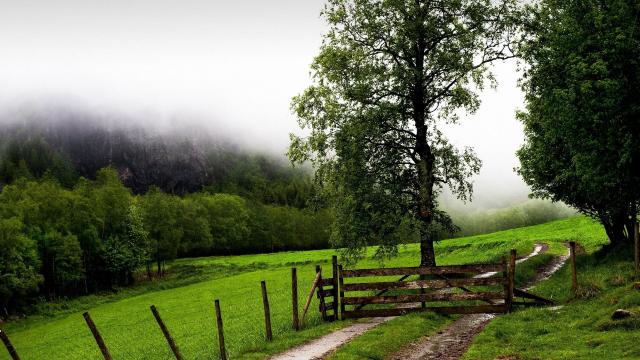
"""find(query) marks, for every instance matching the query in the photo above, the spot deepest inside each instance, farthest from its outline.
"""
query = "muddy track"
(454, 340)
(323, 346)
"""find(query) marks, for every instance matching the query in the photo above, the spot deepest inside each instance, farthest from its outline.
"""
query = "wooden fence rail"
(452, 269)
(423, 284)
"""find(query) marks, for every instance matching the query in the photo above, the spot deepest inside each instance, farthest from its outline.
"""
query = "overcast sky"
(235, 64)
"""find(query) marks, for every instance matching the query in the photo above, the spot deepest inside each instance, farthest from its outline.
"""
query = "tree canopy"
(582, 115)
(388, 75)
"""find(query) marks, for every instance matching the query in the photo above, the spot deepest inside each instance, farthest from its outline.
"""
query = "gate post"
(512, 275)
(505, 276)
(336, 294)
(341, 282)
(323, 309)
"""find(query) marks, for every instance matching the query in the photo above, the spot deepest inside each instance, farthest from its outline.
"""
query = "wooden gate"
(456, 289)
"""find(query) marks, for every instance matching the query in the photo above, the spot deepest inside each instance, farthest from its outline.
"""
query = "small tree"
(19, 263)
(124, 254)
(388, 75)
(582, 121)
(160, 221)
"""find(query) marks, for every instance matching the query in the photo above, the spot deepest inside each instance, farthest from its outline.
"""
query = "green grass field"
(582, 328)
(186, 305)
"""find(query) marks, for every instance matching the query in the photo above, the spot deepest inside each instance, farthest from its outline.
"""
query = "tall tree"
(160, 219)
(582, 127)
(389, 74)
(19, 263)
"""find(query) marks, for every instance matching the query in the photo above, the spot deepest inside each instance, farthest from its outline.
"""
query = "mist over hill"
(179, 157)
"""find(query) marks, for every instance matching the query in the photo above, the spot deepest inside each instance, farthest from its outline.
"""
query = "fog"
(230, 67)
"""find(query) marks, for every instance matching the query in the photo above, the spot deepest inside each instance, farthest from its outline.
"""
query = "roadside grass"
(582, 328)
(186, 304)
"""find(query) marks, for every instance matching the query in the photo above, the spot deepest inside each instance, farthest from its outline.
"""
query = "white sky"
(235, 63)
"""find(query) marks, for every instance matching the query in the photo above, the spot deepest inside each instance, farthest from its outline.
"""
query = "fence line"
(335, 288)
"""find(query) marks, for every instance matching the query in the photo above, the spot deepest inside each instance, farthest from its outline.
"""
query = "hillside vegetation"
(60, 242)
(130, 331)
(69, 227)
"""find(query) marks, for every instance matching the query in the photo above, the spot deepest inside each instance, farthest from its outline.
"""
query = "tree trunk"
(614, 226)
(158, 259)
(629, 226)
(427, 252)
(424, 158)
(149, 275)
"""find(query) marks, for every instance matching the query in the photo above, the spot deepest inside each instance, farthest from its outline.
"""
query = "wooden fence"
(345, 294)
(104, 350)
(434, 290)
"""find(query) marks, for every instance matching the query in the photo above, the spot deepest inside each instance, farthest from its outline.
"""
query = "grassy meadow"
(581, 328)
(186, 304)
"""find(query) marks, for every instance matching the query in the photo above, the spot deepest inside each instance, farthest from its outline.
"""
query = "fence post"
(223, 350)
(294, 298)
(7, 343)
(336, 294)
(636, 236)
(512, 276)
(267, 312)
(323, 309)
(165, 332)
(341, 283)
(574, 275)
(97, 336)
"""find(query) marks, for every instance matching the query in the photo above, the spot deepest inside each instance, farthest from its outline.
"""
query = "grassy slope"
(130, 331)
(582, 328)
(387, 338)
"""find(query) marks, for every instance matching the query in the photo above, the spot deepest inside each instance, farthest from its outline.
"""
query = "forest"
(98, 234)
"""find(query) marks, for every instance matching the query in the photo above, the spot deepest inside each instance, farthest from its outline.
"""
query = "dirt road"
(461, 331)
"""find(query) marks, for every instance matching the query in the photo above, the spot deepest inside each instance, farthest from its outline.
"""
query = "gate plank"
(528, 295)
(453, 269)
(419, 284)
(410, 298)
(478, 309)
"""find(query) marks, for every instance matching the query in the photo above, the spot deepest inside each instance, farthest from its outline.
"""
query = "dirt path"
(454, 340)
(319, 348)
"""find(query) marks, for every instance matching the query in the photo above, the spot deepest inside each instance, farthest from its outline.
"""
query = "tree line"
(57, 241)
